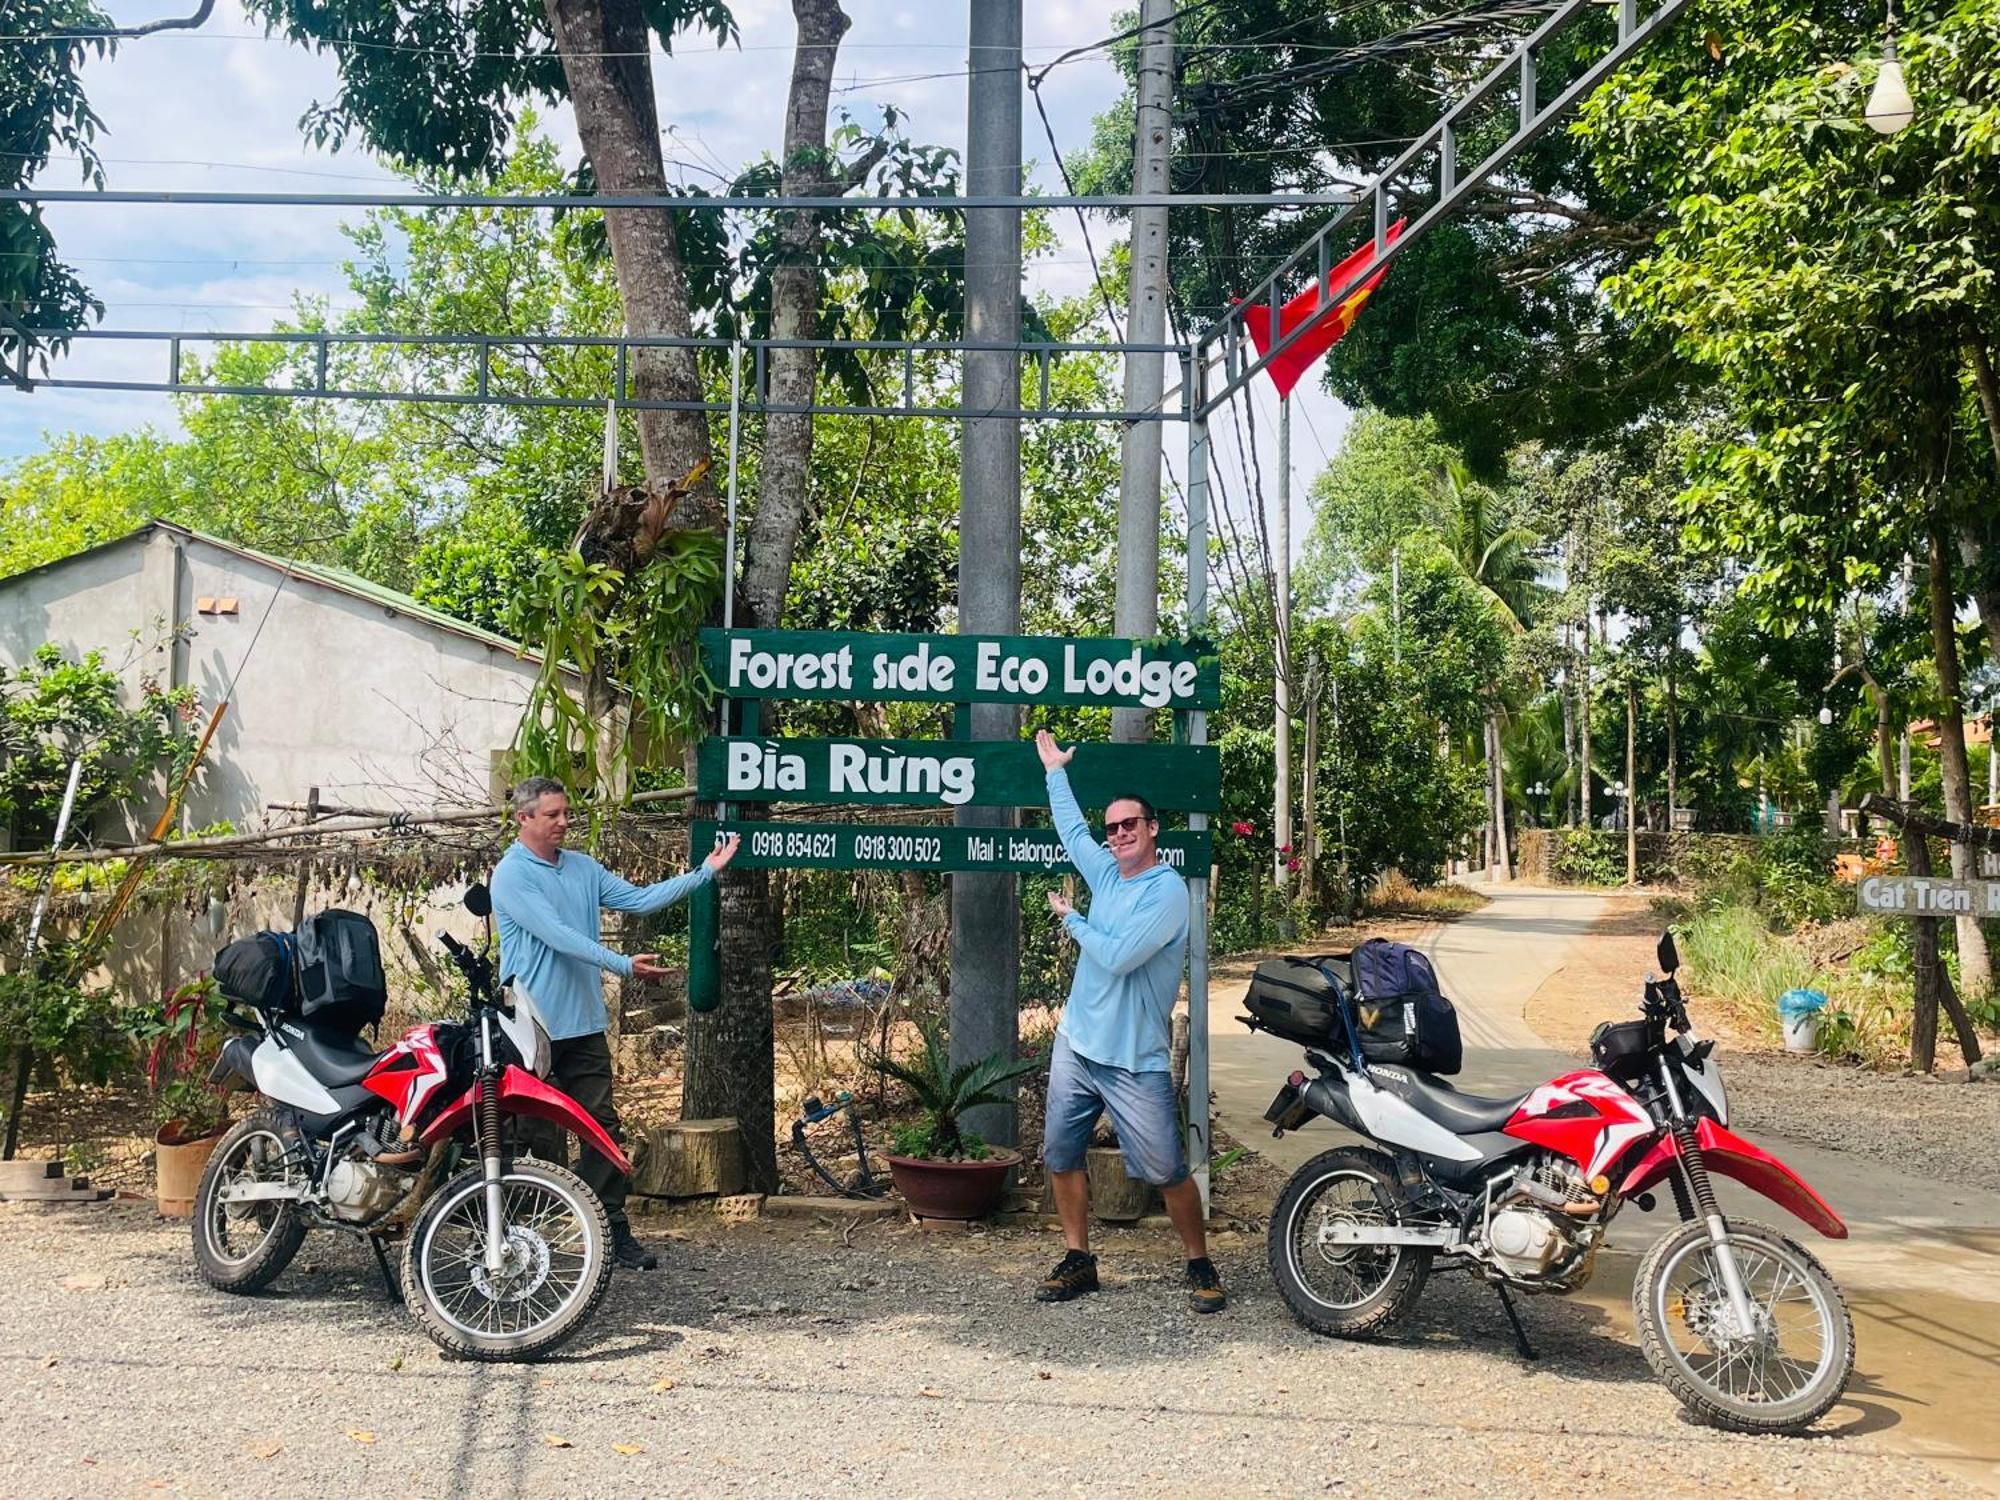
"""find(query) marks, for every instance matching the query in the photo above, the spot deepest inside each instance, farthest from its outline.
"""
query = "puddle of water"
(1926, 1366)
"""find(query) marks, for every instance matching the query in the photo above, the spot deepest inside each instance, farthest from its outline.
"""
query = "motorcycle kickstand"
(1520, 1334)
(389, 1281)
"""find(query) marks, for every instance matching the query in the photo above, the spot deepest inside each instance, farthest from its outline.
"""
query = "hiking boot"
(1205, 1293)
(1074, 1275)
(629, 1253)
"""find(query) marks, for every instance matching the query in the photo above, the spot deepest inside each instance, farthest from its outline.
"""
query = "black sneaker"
(629, 1253)
(1205, 1293)
(1074, 1275)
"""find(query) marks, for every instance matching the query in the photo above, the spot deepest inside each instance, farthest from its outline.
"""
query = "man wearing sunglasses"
(1111, 1050)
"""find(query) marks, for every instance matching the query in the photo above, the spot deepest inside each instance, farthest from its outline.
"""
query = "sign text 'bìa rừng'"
(955, 773)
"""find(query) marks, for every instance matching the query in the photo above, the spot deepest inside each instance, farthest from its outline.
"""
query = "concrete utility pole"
(1138, 597)
(986, 908)
(1281, 596)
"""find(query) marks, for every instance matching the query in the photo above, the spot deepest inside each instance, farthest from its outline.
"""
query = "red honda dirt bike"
(504, 1257)
(1739, 1321)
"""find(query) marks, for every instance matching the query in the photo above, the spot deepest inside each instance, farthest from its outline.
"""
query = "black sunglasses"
(1124, 825)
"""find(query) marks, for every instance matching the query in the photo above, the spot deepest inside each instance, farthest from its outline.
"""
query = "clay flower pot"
(178, 1162)
(952, 1189)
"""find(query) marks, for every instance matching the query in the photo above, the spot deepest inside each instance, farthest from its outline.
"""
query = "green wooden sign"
(955, 773)
(1109, 673)
(867, 846)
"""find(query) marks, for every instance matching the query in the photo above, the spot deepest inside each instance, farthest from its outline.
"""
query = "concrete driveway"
(1921, 1267)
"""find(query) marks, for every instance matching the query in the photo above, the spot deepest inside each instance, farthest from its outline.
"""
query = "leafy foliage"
(944, 1093)
(55, 711)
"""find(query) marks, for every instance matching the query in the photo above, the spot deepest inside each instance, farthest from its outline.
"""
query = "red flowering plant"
(181, 1036)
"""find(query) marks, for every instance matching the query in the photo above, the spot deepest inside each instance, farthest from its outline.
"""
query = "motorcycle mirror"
(478, 900)
(1670, 958)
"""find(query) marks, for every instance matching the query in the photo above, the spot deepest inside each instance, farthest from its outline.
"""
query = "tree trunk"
(1673, 742)
(1583, 724)
(730, 1051)
(1497, 756)
(1569, 734)
(1631, 783)
(1975, 965)
(808, 171)
(605, 46)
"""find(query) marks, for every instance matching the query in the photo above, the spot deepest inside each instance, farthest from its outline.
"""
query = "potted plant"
(181, 1038)
(942, 1170)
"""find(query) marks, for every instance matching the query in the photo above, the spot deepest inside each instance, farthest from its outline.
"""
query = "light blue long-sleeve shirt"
(547, 913)
(1131, 948)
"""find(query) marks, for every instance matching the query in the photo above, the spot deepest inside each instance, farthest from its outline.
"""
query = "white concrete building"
(332, 681)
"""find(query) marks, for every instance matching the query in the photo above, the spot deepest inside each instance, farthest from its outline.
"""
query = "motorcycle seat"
(336, 1058)
(1441, 1104)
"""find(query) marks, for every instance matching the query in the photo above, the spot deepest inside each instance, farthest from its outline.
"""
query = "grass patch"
(1395, 896)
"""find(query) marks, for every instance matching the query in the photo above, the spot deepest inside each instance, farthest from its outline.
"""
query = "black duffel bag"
(329, 972)
(1294, 997)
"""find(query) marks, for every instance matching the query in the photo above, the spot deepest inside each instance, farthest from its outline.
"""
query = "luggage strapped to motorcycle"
(1350, 1019)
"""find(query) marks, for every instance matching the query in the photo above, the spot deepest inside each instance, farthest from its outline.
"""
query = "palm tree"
(1498, 559)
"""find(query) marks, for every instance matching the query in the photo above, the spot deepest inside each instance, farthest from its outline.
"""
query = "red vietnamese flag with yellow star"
(1342, 304)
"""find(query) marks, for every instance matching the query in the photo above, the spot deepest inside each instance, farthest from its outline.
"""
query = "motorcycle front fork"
(1695, 1195)
(490, 1151)
(1698, 1197)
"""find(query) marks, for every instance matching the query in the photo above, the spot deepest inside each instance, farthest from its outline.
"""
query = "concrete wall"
(375, 707)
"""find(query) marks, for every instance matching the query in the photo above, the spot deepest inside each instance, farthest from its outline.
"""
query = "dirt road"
(1920, 1267)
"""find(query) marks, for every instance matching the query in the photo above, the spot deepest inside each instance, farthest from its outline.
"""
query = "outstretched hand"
(1054, 757)
(1060, 904)
(723, 853)
(648, 966)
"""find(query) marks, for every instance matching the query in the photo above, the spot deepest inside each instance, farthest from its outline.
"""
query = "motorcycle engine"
(359, 1189)
(1530, 1235)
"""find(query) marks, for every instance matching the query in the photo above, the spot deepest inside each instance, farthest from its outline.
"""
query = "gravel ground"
(776, 1358)
(1939, 1128)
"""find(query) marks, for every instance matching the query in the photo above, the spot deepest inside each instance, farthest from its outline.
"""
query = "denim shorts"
(1142, 1108)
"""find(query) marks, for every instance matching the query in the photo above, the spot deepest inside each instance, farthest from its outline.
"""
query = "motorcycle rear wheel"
(559, 1263)
(1343, 1291)
(1767, 1389)
(243, 1247)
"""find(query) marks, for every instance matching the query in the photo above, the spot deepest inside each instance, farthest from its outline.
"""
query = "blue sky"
(218, 109)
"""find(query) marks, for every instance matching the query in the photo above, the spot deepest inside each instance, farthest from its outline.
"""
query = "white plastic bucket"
(1802, 1032)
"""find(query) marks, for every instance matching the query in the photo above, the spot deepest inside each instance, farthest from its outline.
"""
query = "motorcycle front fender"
(522, 1093)
(1729, 1155)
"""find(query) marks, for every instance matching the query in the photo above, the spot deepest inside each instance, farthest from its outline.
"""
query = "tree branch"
(170, 23)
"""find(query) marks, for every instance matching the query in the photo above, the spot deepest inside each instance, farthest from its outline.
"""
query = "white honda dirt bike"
(504, 1257)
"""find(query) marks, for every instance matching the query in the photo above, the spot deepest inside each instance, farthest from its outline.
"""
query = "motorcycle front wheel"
(556, 1262)
(1779, 1376)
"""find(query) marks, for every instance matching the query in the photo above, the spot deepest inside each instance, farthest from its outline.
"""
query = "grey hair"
(532, 789)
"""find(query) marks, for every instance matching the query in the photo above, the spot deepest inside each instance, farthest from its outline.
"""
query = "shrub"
(1591, 856)
(1732, 955)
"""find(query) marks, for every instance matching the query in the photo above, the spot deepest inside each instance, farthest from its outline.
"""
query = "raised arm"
(1160, 919)
(1092, 860)
(522, 905)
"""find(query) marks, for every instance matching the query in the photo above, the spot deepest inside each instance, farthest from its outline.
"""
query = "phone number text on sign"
(773, 843)
(904, 848)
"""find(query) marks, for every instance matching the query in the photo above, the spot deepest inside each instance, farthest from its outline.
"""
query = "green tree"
(1835, 287)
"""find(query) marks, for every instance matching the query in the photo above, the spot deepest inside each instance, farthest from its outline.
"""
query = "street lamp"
(1539, 791)
(1825, 716)
(1889, 107)
(1621, 794)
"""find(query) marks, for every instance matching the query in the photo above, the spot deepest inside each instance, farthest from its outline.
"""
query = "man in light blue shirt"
(1111, 1051)
(546, 901)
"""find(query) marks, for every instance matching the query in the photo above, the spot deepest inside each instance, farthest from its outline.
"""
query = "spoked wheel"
(1776, 1376)
(1345, 1290)
(242, 1246)
(554, 1269)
